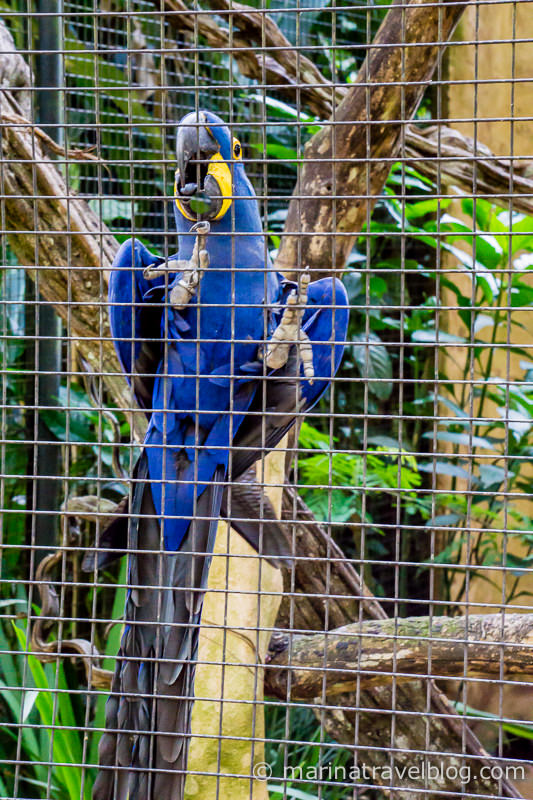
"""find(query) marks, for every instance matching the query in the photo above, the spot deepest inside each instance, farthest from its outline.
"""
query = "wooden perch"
(462, 162)
(380, 652)
(332, 596)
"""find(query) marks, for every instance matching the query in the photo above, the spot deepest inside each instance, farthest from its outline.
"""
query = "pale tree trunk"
(239, 613)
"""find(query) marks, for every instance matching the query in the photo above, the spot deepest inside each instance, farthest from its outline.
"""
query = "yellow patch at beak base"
(220, 171)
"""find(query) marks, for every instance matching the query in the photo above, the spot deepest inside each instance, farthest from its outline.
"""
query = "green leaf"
(374, 363)
(30, 696)
(110, 208)
(311, 438)
(449, 553)
(488, 283)
(275, 150)
(286, 790)
(423, 207)
(514, 728)
(66, 747)
(451, 405)
(200, 203)
(13, 602)
(281, 109)
(517, 563)
(115, 81)
(13, 701)
(521, 294)
(79, 425)
(432, 337)
(388, 442)
(460, 438)
(519, 423)
(445, 468)
(406, 176)
(484, 212)
(444, 520)
(492, 475)
(483, 321)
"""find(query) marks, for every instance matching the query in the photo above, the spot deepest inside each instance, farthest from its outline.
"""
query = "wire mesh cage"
(267, 400)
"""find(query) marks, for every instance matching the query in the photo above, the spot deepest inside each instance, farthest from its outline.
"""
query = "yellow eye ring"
(237, 149)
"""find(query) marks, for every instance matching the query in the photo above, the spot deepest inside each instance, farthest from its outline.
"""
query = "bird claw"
(191, 269)
(186, 287)
(290, 331)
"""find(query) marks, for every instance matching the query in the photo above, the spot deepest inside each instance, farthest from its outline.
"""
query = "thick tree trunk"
(347, 162)
(65, 247)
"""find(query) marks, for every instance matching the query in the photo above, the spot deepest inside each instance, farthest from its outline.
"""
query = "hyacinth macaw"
(223, 354)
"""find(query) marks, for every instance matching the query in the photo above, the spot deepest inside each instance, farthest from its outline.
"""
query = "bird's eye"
(237, 148)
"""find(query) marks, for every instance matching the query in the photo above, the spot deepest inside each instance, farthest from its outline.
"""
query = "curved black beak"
(195, 145)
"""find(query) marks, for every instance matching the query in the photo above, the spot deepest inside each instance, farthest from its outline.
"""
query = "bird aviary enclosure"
(389, 145)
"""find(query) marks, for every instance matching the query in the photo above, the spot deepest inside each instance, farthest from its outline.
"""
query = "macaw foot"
(290, 331)
(191, 270)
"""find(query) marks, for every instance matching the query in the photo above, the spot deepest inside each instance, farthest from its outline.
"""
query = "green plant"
(47, 724)
(41, 718)
(305, 753)
(351, 474)
(483, 435)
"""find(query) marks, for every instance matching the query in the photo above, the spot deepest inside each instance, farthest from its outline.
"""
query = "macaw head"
(210, 178)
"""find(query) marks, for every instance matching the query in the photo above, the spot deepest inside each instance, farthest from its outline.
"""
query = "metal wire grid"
(391, 506)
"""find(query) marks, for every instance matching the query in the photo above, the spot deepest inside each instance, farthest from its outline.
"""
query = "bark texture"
(325, 592)
(381, 724)
(63, 244)
(444, 154)
(378, 653)
(347, 162)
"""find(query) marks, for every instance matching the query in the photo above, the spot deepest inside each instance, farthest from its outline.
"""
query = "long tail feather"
(143, 754)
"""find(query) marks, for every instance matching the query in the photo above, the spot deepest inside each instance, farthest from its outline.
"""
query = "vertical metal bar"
(48, 80)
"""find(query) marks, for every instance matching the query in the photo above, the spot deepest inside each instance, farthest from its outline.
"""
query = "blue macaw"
(223, 354)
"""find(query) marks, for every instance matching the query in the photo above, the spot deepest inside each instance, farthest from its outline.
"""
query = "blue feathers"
(205, 357)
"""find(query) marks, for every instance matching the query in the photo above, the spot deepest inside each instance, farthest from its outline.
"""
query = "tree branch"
(276, 62)
(347, 162)
(378, 652)
(63, 244)
(439, 151)
(323, 592)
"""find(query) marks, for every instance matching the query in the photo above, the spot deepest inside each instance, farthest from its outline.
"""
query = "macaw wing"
(244, 504)
(249, 511)
(135, 316)
(285, 393)
(271, 414)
